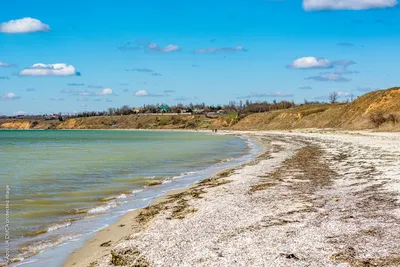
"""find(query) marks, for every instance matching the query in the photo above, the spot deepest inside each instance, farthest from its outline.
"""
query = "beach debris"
(149, 213)
(181, 210)
(153, 183)
(262, 186)
(289, 256)
(336, 199)
(121, 225)
(128, 257)
(212, 182)
(106, 244)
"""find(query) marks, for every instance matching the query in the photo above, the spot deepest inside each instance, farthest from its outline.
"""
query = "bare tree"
(333, 97)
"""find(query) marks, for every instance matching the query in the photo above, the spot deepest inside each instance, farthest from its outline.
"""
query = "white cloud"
(24, 25)
(58, 69)
(311, 63)
(105, 91)
(312, 5)
(141, 93)
(9, 96)
(169, 48)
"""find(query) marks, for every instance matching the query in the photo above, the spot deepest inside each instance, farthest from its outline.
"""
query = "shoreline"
(258, 202)
(99, 245)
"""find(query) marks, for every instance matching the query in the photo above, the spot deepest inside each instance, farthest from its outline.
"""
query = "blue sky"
(76, 55)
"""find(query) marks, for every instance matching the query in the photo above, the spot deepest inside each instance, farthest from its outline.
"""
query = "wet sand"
(312, 198)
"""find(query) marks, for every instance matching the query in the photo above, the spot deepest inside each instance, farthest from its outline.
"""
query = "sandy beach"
(311, 198)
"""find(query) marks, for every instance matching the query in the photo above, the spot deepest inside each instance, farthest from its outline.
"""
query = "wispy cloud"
(6, 65)
(76, 84)
(366, 89)
(4, 78)
(183, 98)
(82, 99)
(195, 66)
(24, 25)
(315, 5)
(343, 62)
(305, 87)
(328, 78)
(58, 69)
(140, 70)
(130, 46)
(156, 74)
(266, 95)
(57, 99)
(154, 47)
(345, 44)
(95, 86)
(125, 90)
(144, 93)
(169, 91)
(345, 71)
(30, 89)
(149, 46)
(104, 92)
(219, 50)
(9, 96)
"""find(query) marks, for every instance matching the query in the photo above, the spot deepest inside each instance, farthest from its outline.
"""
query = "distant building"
(137, 110)
(164, 108)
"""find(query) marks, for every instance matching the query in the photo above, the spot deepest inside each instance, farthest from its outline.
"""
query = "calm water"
(60, 177)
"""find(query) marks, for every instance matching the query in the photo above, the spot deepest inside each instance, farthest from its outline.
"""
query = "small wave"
(46, 244)
(122, 196)
(103, 208)
(183, 175)
(135, 191)
(58, 226)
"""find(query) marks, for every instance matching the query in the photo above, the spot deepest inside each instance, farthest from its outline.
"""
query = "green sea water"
(58, 176)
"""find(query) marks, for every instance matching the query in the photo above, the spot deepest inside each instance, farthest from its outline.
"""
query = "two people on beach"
(214, 130)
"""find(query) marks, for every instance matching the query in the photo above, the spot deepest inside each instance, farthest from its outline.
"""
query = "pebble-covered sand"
(314, 198)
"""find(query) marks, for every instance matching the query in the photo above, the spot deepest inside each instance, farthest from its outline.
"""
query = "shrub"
(379, 118)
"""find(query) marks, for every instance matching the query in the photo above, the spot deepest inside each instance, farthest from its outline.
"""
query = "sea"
(63, 186)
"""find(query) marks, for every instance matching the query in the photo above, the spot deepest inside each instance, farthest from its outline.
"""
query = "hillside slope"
(126, 122)
(375, 110)
(378, 109)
